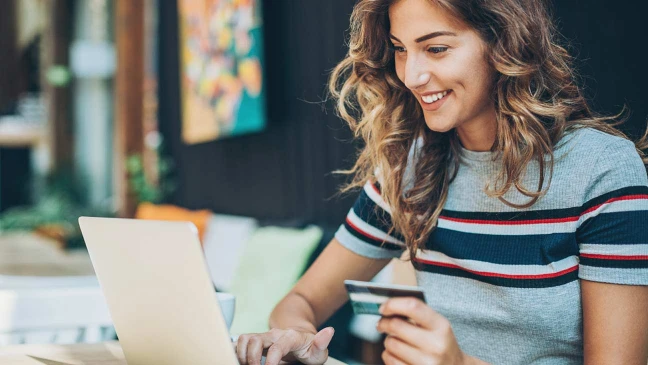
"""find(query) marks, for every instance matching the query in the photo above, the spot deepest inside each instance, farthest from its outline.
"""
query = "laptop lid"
(161, 299)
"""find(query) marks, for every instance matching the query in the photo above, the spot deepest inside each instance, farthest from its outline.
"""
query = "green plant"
(57, 209)
(144, 189)
(61, 204)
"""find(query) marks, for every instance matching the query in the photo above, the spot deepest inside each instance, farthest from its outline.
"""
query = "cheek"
(483, 87)
(399, 65)
(476, 77)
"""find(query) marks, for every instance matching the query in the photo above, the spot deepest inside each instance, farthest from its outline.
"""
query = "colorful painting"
(221, 68)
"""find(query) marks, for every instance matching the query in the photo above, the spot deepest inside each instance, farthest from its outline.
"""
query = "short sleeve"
(613, 226)
(367, 228)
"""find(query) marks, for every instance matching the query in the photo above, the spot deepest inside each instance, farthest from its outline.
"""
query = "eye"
(436, 50)
(397, 49)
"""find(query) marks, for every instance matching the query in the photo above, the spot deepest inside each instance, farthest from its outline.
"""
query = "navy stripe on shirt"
(618, 264)
(540, 249)
(627, 228)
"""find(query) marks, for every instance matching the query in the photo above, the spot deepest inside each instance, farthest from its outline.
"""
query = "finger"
(390, 359)
(405, 331)
(318, 351)
(289, 342)
(254, 351)
(406, 353)
(414, 309)
(323, 338)
(241, 348)
(243, 341)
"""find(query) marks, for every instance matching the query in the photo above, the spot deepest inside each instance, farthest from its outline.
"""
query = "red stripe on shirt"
(620, 198)
(498, 275)
(506, 223)
(614, 257)
(363, 232)
(374, 188)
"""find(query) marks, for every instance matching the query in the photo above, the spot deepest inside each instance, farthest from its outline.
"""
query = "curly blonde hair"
(537, 101)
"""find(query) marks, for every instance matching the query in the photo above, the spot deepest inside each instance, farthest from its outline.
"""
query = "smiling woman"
(522, 210)
(451, 60)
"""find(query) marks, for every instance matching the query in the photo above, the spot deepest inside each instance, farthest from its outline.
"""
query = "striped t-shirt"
(509, 279)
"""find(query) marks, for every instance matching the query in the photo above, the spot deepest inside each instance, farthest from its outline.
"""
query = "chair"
(53, 310)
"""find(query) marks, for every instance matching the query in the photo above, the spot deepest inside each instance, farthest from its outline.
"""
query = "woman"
(524, 211)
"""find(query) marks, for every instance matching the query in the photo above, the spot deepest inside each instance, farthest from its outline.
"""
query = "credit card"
(366, 297)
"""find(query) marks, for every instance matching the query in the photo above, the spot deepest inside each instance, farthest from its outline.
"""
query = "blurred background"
(213, 111)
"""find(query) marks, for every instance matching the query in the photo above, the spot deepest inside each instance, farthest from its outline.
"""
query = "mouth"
(434, 100)
(430, 98)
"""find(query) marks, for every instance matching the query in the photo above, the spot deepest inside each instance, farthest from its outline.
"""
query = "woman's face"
(443, 63)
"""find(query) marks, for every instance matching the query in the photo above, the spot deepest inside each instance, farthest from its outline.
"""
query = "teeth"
(428, 99)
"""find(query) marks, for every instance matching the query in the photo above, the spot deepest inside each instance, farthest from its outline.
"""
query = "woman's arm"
(320, 292)
(315, 297)
(615, 323)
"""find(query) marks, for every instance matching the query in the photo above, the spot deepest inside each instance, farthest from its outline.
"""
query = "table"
(17, 135)
(106, 353)
(29, 254)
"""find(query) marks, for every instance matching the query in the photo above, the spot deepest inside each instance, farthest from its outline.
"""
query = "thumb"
(323, 338)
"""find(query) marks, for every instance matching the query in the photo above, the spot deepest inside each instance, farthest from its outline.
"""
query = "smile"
(434, 101)
(432, 98)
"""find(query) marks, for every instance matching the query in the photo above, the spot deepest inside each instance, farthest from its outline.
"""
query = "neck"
(478, 136)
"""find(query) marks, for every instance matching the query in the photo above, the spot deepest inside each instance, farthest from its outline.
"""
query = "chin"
(436, 126)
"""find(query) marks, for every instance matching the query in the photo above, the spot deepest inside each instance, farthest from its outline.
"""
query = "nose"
(416, 74)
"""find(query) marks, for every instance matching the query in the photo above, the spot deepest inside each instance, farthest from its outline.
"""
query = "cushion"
(272, 262)
(225, 240)
(174, 213)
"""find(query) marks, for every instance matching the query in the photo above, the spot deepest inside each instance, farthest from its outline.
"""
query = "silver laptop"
(159, 293)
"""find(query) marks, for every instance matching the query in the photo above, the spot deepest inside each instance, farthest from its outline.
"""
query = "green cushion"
(272, 262)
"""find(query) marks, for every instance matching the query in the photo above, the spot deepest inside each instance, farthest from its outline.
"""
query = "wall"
(282, 172)
(608, 39)
(10, 83)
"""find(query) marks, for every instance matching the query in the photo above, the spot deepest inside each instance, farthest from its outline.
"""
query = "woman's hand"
(416, 334)
(285, 344)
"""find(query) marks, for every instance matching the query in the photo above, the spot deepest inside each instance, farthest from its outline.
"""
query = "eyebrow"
(428, 36)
